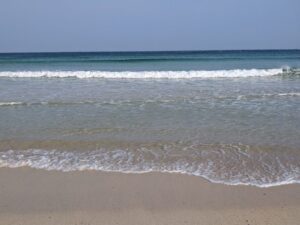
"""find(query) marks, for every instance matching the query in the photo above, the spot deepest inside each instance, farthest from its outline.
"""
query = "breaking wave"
(237, 73)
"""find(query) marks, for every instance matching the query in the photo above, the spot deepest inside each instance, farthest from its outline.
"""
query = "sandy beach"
(29, 196)
(149, 112)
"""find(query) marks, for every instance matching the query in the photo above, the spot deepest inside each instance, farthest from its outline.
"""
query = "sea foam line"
(10, 103)
(125, 161)
(142, 102)
(145, 74)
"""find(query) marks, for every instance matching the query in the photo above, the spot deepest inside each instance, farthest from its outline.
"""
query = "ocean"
(231, 117)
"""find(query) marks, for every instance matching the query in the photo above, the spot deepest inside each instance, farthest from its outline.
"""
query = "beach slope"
(34, 197)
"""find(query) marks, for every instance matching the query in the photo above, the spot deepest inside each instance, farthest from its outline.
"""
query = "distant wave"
(237, 73)
(227, 164)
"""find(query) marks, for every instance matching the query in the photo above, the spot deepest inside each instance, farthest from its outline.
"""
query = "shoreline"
(31, 196)
(203, 178)
(67, 156)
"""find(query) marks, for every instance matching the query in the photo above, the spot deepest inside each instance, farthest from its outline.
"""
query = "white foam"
(125, 161)
(148, 101)
(269, 95)
(10, 103)
(290, 94)
(145, 74)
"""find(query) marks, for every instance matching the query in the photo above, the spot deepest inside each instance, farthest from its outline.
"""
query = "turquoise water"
(150, 61)
(229, 116)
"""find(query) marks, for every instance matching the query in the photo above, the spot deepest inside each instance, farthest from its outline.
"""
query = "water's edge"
(213, 165)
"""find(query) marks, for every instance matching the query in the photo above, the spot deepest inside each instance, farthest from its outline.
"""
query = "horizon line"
(153, 51)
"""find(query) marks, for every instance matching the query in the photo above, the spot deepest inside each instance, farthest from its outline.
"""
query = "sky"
(148, 25)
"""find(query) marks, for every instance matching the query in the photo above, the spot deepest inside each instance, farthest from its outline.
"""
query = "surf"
(218, 164)
(193, 74)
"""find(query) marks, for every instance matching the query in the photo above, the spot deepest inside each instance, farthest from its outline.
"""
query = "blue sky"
(136, 25)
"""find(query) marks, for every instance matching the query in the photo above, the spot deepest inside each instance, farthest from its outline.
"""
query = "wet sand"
(34, 197)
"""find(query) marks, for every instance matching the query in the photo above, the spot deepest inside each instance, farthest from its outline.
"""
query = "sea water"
(231, 117)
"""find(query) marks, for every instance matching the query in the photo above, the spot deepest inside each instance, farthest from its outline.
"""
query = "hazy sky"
(122, 25)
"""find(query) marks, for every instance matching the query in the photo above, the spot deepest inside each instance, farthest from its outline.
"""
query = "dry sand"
(36, 197)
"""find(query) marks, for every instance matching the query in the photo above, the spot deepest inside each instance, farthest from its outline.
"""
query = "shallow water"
(231, 117)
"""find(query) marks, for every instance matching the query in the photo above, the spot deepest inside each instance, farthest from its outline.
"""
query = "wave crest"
(145, 74)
